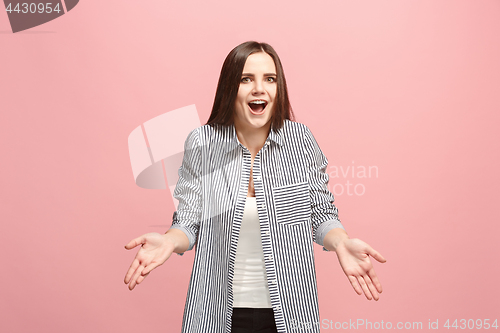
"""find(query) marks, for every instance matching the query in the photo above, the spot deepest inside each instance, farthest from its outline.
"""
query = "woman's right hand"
(155, 250)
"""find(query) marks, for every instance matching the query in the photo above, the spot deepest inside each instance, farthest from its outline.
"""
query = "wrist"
(170, 241)
(334, 239)
(177, 240)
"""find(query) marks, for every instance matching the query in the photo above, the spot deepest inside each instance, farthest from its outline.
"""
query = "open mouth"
(257, 106)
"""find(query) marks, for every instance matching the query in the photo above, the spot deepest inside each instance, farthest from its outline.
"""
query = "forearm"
(178, 239)
(333, 238)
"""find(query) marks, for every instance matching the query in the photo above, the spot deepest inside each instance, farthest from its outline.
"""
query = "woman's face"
(257, 93)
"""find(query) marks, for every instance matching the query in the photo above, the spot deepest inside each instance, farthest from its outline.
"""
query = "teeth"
(258, 102)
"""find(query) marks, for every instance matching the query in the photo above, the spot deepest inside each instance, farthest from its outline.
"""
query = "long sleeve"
(324, 214)
(188, 191)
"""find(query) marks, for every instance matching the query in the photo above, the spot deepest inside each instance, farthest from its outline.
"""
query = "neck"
(253, 138)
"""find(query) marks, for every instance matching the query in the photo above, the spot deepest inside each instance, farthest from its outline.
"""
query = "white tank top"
(250, 287)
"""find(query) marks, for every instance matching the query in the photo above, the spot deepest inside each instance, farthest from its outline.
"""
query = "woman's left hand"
(354, 258)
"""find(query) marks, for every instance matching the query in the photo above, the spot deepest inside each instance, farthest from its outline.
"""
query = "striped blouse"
(294, 206)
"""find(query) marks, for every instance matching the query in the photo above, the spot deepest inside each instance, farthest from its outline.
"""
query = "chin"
(260, 124)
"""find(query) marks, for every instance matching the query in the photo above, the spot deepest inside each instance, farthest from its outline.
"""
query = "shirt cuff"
(324, 228)
(189, 234)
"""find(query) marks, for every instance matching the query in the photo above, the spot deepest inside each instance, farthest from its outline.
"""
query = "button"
(274, 282)
(267, 143)
(270, 257)
(257, 178)
(267, 233)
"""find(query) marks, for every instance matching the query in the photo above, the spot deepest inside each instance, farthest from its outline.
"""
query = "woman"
(253, 197)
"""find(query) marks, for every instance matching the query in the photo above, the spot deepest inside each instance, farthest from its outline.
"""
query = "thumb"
(134, 242)
(377, 256)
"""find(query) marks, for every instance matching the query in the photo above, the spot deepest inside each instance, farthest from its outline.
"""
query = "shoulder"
(206, 134)
(202, 131)
(302, 135)
(193, 138)
(296, 129)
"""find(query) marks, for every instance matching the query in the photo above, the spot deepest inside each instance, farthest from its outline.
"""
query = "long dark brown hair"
(229, 83)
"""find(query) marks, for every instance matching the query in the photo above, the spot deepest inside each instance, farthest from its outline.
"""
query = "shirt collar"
(275, 136)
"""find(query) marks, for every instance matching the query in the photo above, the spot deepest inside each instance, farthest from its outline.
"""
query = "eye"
(245, 80)
(271, 79)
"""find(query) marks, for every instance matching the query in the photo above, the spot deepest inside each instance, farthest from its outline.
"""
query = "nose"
(258, 88)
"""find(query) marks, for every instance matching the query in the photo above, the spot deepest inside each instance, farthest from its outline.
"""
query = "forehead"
(259, 63)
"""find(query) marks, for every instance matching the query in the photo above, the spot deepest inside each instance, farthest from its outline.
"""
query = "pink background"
(411, 87)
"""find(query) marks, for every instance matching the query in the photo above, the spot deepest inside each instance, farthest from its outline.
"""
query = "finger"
(138, 272)
(371, 287)
(374, 278)
(134, 242)
(363, 285)
(150, 267)
(377, 256)
(355, 285)
(141, 278)
(131, 270)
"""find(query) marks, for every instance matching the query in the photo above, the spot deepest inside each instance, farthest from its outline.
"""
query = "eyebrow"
(265, 74)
